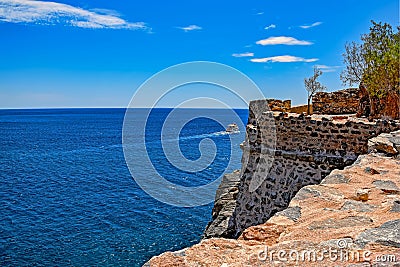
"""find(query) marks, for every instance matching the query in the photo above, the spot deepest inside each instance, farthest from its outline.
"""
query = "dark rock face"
(340, 102)
(387, 234)
(224, 205)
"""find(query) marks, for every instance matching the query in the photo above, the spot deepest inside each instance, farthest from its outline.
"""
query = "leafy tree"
(375, 65)
(313, 86)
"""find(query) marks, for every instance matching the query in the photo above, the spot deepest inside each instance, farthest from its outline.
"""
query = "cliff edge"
(352, 218)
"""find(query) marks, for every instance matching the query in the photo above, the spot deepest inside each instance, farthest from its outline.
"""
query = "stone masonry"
(284, 152)
(344, 101)
(276, 104)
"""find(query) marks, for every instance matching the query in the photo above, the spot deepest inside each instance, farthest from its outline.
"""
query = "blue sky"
(75, 53)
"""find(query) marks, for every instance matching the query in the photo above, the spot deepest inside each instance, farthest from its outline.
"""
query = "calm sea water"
(67, 197)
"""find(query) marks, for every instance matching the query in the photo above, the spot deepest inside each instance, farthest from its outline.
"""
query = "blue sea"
(67, 197)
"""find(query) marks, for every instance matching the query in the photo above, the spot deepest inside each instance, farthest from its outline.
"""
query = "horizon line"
(41, 108)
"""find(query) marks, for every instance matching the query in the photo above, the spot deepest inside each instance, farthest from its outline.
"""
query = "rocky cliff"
(352, 218)
(224, 206)
(295, 190)
(284, 152)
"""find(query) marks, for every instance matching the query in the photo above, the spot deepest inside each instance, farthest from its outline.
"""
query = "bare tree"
(313, 86)
(355, 64)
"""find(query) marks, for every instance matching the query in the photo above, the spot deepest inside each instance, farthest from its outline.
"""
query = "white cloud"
(104, 11)
(326, 68)
(311, 25)
(284, 59)
(272, 26)
(190, 28)
(51, 13)
(260, 13)
(247, 54)
(282, 40)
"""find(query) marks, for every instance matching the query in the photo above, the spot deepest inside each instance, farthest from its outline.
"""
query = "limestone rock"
(357, 206)
(388, 187)
(335, 178)
(350, 221)
(306, 192)
(388, 144)
(269, 233)
(387, 234)
(318, 215)
(317, 218)
(293, 213)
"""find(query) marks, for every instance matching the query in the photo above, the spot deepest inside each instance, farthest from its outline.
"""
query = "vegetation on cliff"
(374, 65)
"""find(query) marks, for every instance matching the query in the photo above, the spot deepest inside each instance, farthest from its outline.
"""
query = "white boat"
(232, 128)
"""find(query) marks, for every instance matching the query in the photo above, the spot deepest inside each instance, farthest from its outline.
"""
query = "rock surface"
(224, 205)
(321, 219)
(385, 143)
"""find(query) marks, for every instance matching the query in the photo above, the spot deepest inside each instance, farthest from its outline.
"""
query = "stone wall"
(275, 104)
(300, 109)
(284, 152)
(340, 102)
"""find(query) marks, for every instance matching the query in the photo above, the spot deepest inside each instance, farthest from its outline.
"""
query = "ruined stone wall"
(339, 102)
(300, 109)
(306, 150)
(275, 104)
